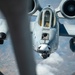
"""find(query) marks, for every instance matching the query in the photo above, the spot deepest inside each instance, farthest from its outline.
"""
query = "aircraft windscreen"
(47, 19)
(67, 22)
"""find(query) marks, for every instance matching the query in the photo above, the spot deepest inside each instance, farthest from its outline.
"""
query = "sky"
(61, 62)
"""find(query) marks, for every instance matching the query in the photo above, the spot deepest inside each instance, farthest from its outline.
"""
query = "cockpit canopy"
(47, 18)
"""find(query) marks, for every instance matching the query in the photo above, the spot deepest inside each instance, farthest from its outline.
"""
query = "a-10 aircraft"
(47, 28)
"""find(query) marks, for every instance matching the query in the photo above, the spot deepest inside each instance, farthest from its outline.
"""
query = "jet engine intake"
(34, 6)
(68, 8)
(72, 44)
(2, 36)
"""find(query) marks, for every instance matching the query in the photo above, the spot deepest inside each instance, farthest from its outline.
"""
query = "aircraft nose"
(43, 48)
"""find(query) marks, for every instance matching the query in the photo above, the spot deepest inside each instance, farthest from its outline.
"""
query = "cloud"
(43, 70)
(48, 66)
(7, 59)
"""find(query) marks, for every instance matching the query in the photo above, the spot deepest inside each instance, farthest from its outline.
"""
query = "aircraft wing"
(60, 15)
(66, 30)
(36, 13)
(58, 11)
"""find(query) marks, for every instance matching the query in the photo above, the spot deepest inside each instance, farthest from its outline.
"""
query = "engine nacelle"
(67, 8)
(34, 6)
(72, 44)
